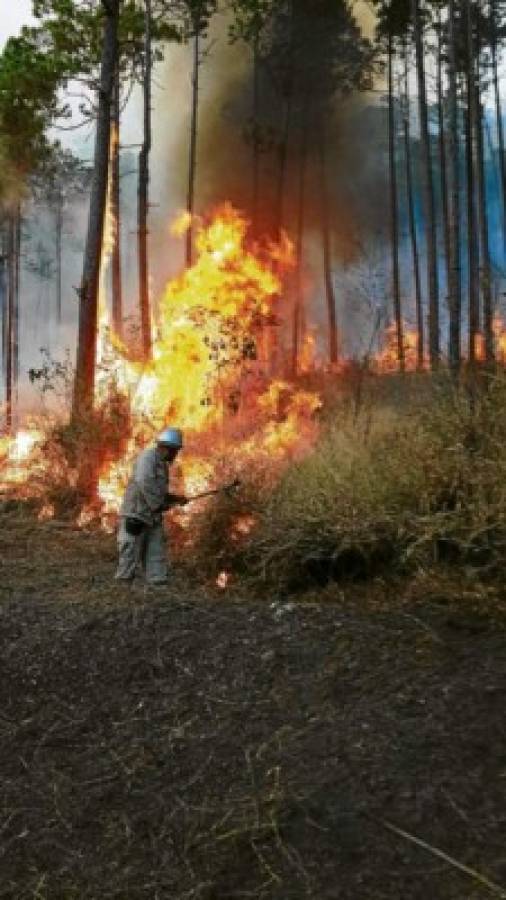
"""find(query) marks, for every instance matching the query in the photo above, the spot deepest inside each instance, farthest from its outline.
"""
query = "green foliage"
(251, 17)
(29, 82)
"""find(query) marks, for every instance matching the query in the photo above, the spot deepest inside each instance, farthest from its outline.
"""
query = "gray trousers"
(146, 551)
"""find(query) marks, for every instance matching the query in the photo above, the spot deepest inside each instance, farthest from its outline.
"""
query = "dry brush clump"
(63, 467)
(391, 486)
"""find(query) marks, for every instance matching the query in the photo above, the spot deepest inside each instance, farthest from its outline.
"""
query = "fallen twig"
(491, 885)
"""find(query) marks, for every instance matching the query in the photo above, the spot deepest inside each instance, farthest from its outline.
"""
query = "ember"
(223, 580)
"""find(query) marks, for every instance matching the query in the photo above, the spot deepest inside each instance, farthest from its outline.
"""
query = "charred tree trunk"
(17, 286)
(3, 293)
(327, 255)
(143, 197)
(486, 271)
(442, 153)
(256, 144)
(498, 114)
(117, 286)
(88, 301)
(58, 253)
(282, 164)
(428, 190)
(394, 216)
(298, 298)
(192, 168)
(471, 118)
(420, 349)
(486, 275)
(454, 284)
(9, 325)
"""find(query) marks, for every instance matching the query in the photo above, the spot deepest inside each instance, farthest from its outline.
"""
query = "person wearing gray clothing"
(141, 538)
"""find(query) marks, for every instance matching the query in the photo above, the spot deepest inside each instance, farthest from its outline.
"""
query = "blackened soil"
(174, 746)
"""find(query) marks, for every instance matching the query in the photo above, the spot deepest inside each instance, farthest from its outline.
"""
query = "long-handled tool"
(136, 526)
(224, 489)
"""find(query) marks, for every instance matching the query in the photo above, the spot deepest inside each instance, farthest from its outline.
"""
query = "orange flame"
(223, 580)
(205, 375)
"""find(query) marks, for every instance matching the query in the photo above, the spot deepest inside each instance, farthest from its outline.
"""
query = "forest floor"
(182, 744)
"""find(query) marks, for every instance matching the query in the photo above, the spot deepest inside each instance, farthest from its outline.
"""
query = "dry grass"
(406, 476)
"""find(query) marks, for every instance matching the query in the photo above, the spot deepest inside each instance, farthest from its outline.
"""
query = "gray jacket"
(147, 488)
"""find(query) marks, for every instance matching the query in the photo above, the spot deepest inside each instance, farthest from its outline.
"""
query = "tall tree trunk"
(498, 115)
(428, 190)
(282, 164)
(17, 289)
(88, 300)
(442, 153)
(143, 197)
(327, 255)
(192, 168)
(117, 285)
(58, 225)
(394, 216)
(285, 133)
(420, 349)
(454, 284)
(486, 272)
(471, 120)
(255, 168)
(9, 342)
(486, 275)
(3, 291)
(298, 298)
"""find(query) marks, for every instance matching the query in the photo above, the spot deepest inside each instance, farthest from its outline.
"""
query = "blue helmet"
(171, 437)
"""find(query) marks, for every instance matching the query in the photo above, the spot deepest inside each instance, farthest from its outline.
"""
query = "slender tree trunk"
(498, 115)
(58, 254)
(486, 271)
(420, 349)
(394, 216)
(9, 342)
(454, 284)
(327, 255)
(17, 292)
(471, 120)
(428, 189)
(192, 170)
(486, 275)
(143, 194)
(442, 154)
(282, 164)
(285, 133)
(117, 285)
(255, 146)
(298, 297)
(88, 302)
(3, 292)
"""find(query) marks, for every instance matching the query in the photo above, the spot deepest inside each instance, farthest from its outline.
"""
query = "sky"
(13, 16)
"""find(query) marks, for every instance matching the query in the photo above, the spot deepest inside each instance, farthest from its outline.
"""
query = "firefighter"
(141, 538)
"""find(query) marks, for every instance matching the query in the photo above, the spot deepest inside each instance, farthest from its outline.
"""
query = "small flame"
(387, 360)
(22, 444)
(243, 526)
(223, 580)
(86, 517)
(46, 512)
(181, 224)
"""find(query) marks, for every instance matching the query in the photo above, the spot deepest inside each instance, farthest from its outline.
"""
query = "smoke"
(356, 161)
(356, 155)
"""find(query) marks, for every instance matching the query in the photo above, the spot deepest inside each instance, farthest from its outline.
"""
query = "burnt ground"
(180, 745)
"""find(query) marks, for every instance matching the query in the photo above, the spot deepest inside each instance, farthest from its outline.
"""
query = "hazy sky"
(13, 16)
